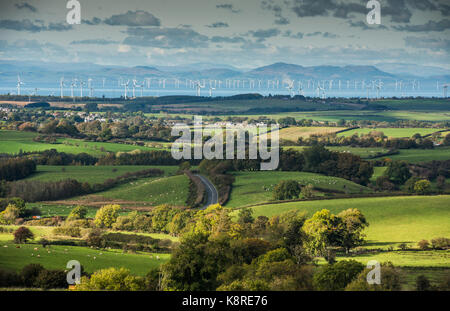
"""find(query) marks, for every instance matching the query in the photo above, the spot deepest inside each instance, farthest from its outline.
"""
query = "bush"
(286, 190)
(74, 232)
(107, 216)
(48, 279)
(390, 280)
(112, 279)
(423, 245)
(30, 274)
(78, 212)
(9, 215)
(440, 243)
(422, 187)
(22, 235)
(10, 279)
(95, 238)
(337, 276)
(422, 283)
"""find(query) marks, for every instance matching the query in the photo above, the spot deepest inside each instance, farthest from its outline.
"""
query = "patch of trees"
(155, 157)
(16, 168)
(53, 157)
(34, 276)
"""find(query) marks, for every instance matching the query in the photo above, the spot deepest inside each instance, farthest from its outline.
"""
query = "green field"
(153, 191)
(91, 174)
(392, 220)
(16, 141)
(256, 187)
(421, 155)
(391, 132)
(362, 152)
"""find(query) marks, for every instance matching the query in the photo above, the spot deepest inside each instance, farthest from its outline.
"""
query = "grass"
(15, 141)
(256, 187)
(295, 132)
(362, 152)
(393, 220)
(13, 258)
(154, 191)
(392, 132)
(421, 155)
(91, 174)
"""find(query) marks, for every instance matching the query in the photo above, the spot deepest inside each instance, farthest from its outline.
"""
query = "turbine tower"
(19, 84)
(61, 86)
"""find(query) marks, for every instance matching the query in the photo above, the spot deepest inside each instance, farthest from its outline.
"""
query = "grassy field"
(293, 133)
(392, 220)
(421, 155)
(151, 191)
(56, 257)
(256, 187)
(16, 141)
(91, 174)
(392, 132)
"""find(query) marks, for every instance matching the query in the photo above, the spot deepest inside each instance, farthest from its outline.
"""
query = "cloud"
(276, 10)
(227, 6)
(263, 34)
(26, 6)
(365, 26)
(133, 18)
(439, 26)
(218, 25)
(95, 41)
(36, 26)
(220, 39)
(289, 34)
(165, 37)
(428, 43)
(322, 34)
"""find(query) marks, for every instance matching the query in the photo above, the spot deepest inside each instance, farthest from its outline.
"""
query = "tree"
(30, 274)
(22, 235)
(245, 216)
(440, 182)
(78, 212)
(307, 191)
(384, 183)
(106, 216)
(390, 280)
(111, 279)
(354, 223)
(422, 187)
(410, 183)
(337, 276)
(398, 172)
(423, 283)
(286, 190)
(9, 215)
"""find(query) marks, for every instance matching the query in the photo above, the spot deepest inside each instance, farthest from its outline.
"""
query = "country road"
(212, 197)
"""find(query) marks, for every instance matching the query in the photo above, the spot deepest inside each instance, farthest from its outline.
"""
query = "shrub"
(48, 279)
(403, 246)
(112, 279)
(74, 232)
(422, 187)
(106, 216)
(390, 280)
(422, 283)
(10, 279)
(30, 274)
(423, 245)
(78, 212)
(440, 243)
(9, 215)
(95, 238)
(286, 190)
(22, 235)
(337, 276)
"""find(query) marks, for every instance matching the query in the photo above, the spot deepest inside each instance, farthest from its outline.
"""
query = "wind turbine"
(82, 83)
(72, 85)
(210, 91)
(19, 84)
(61, 86)
(91, 89)
(379, 86)
(445, 88)
(290, 87)
(125, 85)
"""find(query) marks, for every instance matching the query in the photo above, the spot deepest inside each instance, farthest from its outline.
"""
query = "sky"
(240, 33)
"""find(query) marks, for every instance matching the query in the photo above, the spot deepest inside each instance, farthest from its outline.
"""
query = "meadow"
(421, 155)
(257, 187)
(149, 192)
(293, 133)
(393, 220)
(360, 151)
(91, 174)
(14, 142)
(392, 132)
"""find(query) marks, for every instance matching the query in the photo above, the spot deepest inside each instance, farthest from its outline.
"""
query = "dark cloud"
(220, 39)
(428, 43)
(95, 41)
(263, 34)
(36, 26)
(92, 22)
(26, 6)
(227, 6)
(218, 25)
(289, 34)
(439, 26)
(165, 37)
(322, 34)
(133, 18)
(365, 26)
(397, 10)
(277, 11)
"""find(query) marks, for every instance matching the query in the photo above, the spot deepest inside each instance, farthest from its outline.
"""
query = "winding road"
(211, 192)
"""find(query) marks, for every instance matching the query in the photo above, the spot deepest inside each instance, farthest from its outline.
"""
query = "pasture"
(421, 155)
(293, 133)
(391, 132)
(393, 220)
(91, 174)
(257, 187)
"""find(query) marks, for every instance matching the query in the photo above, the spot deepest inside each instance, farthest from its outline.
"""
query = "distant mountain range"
(52, 72)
